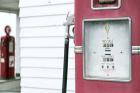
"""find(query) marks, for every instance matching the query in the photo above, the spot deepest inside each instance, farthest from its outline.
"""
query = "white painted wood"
(42, 46)
(17, 47)
(43, 31)
(47, 10)
(36, 90)
(43, 21)
(45, 52)
(29, 3)
(54, 73)
(44, 42)
(46, 63)
(46, 83)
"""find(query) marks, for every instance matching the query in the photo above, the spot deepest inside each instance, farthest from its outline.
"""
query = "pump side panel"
(129, 8)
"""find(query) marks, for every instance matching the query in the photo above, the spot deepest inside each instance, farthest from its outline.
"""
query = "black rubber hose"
(65, 65)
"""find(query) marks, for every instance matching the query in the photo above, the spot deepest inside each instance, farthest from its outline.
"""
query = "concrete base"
(10, 86)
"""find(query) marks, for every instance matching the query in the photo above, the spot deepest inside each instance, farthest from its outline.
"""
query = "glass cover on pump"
(107, 49)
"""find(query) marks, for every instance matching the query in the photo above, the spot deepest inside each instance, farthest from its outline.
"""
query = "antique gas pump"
(7, 62)
(107, 46)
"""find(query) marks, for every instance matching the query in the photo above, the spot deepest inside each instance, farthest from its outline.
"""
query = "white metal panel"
(45, 73)
(44, 42)
(37, 90)
(43, 21)
(46, 63)
(29, 3)
(45, 52)
(46, 83)
(47, 10)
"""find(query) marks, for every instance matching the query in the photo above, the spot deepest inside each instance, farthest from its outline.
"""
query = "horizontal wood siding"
(42, 46)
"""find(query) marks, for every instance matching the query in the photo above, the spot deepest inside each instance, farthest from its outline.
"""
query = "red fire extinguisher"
(7, 62)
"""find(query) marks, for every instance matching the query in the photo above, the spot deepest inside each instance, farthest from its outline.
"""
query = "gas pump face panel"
(107, 49)
(11, 61)
(11, 46)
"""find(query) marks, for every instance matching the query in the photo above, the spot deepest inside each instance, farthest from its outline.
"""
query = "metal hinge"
(135, 50)
(78, 49)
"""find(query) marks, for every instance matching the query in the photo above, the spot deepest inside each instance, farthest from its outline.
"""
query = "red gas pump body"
(7, 64)
(84, 10)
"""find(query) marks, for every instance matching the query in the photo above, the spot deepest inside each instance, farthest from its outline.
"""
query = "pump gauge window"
(107, 49)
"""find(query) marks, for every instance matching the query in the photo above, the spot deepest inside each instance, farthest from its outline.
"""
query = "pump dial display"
(107, 49)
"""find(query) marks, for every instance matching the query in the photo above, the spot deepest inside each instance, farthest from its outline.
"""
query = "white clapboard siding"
(46, 83)
(49, 63)
(41, 90)
(47, 10)
(42, 46)
(43, 21)
(31, 3)
(45, 42)
(43, 31)
(52, 73)
(45, 52)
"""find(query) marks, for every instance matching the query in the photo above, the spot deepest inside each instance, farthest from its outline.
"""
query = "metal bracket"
(78, 49)
(70, 20)
(135, 50)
